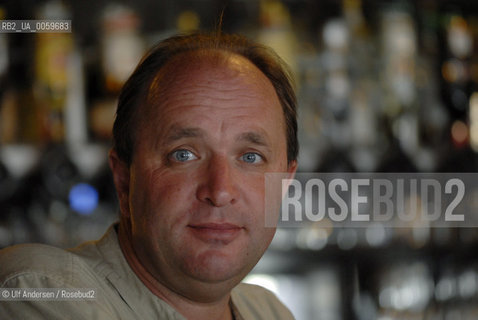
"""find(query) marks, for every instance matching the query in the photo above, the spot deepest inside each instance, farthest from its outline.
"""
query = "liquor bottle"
(276, 31)
(458, 95)
(121, 47)
(455, 66)
(53, 51)
(367, 143)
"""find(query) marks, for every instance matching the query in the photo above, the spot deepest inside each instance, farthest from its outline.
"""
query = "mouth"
(223, 233)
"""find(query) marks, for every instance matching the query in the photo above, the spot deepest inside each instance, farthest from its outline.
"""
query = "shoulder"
(35, 261)
(255, 302)
(42, 266)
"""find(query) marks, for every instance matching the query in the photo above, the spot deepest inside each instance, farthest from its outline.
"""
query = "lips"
(215, 232)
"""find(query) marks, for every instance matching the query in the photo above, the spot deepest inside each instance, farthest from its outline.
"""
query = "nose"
(218, 185)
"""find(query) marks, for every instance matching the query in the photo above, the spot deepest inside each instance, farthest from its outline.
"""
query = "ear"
(291, 169)
(121, 178)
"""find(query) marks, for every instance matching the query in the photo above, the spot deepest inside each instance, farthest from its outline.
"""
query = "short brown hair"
(135, 90)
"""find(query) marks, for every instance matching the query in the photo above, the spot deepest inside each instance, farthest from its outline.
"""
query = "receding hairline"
(205, 60)
(202, 58)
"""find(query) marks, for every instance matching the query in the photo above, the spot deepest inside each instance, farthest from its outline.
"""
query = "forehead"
(210, 77)
(184, 69)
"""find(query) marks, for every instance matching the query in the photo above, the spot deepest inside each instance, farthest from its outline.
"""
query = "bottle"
(52, 55)
(121, 47)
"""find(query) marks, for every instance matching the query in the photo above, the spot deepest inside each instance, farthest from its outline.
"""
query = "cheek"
(253, 197)
(253, 189)
(172, 186)
(157, 199)
(164, 189)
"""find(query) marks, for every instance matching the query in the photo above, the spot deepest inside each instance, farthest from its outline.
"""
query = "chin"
(214, 266)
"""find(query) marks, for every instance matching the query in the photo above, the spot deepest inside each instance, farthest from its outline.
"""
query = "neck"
(219, 309)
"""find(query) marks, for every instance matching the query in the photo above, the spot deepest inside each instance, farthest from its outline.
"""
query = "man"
(199, 123)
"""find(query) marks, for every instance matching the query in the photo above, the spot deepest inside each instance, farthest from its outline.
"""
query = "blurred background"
(383, 86)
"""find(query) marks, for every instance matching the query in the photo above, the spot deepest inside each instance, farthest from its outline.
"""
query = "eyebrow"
(254, 138)
(177, 133)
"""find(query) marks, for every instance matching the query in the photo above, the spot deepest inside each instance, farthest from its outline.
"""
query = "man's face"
(196, 182)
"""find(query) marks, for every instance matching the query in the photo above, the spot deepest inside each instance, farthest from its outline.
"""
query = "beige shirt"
(120, 294)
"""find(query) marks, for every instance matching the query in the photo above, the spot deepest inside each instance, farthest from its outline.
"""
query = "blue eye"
(183, 155)
(251, 157)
